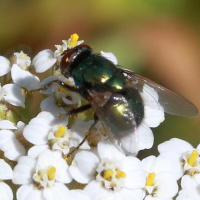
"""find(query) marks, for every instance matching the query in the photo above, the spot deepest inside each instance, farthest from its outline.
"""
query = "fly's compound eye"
(69, 56)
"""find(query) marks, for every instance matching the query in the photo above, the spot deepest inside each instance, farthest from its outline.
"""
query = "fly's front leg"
(61, 83)
(66, 157)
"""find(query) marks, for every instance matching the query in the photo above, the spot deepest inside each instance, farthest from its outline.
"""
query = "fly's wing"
(117, 118)
(170, 101)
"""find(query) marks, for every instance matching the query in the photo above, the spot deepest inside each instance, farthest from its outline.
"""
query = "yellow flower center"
(150, 179)
(108, 174)
(51, 173)
(74, 39)
(193, 158)
(60, 132)
(120, 174)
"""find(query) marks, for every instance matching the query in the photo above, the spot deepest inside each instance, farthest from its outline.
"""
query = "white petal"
(79, 194)
(83, 166)
(146, 137)
(176, 163)
(155, 165)
(24, 170)
(35, 151)
(4, 66)
(188, 194)
(153, 117)
(107, 150)
(188, 182)
(135, 175)
(48, 158)
(150, 97)
(43, 60)
(147, 163)
(175, 145)
(110, 56)
(24, 78)
(127, 194)
(37, 131)
(6, 135)
(63, 171)
(5, 171)
(58, 191)
(167, 186)
(96, 191)
(6, 192)
(14, 95)
(49, 105)
(6, 124)
(130, 144)
(53, 119)
(10, 145)
(29, 192)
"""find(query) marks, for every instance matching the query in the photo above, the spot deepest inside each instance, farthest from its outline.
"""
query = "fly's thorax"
(97, 73)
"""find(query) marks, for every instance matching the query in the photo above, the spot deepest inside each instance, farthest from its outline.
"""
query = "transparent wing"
(170, 101)
(113, 111)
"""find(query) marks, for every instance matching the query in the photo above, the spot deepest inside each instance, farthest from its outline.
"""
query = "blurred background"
(156, 39)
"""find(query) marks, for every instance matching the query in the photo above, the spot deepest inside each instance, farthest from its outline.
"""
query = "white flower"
(22, 60)
(12, 94)
(39, 127)
(47, 58)
(183, 157)
(62, 138)
(5, 174)
(42, 178)
(160, 182)
(47, 129)
(118, 176)
(4, 66)
(9, 144)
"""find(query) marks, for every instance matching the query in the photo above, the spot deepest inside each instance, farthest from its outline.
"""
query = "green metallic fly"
(114, 94)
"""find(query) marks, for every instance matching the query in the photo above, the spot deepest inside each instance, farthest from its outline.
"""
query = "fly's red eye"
(83, 47)
(67, 58)
(72, 56)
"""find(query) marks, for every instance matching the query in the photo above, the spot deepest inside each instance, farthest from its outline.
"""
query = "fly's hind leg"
(61, 83)
(66, 157)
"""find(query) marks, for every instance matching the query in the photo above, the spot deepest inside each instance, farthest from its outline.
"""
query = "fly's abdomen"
(123, 112)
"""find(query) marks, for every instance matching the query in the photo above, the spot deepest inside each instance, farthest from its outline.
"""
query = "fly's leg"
(79, 110)
(61, 83)
(66, 157)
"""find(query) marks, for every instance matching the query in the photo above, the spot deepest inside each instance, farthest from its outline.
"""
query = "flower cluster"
(39, 146)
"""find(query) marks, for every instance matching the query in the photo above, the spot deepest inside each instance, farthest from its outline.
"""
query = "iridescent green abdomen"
(98, 73)
(123, 112)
